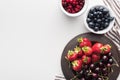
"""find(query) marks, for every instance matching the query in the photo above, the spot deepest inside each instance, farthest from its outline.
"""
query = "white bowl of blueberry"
(99, 19)
(73, 8)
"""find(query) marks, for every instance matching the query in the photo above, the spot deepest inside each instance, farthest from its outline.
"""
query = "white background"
(33, 34)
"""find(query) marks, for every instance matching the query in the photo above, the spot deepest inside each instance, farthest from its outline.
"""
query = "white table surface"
(33, 34)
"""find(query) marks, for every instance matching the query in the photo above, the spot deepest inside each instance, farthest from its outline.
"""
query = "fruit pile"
(99, 18)
(73, 6)
(90, 60)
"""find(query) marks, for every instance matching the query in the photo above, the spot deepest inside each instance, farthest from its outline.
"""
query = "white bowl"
(74, 14)
(111, 24)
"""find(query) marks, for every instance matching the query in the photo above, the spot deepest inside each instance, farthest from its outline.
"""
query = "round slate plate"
(68, 73)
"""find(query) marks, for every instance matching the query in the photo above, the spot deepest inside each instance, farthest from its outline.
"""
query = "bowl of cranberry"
(73, 8)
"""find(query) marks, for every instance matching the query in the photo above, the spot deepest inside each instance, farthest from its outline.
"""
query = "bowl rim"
(106, 29)
(75, 14)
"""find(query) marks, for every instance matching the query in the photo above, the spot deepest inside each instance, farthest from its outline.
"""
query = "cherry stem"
(68, 61)
(74, 78)
(115, 62)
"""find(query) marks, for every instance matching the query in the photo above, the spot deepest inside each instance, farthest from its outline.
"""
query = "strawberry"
(79, 51)
(71, 55)
(87, 50)
(77, 65)
(106, 49)
(86, 59)
(95, 58)
(97, 48)
(84, 42)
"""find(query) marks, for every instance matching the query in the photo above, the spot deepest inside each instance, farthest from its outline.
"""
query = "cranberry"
(76, 9)
(74, 2)
(68, 10)
(71, 1)
(73, 11)
(78, 6)
(73, 6)
(70, 7)
(67, 1)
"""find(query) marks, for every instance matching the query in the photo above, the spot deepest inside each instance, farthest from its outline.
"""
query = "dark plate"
(68, 73)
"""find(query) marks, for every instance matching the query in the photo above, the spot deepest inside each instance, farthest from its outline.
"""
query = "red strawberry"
(71, 55)
(106, 49)
(96, 48)
(95, 58)
(87, 50)
(77, 65)
(86, 59)
(84, 42)
(79, 51)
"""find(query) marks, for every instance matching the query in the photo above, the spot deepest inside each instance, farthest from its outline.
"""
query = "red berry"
(70, 1)
(78, 6)
(77, 65)
(78, 50)
(97, 48)
(71, 55)
(87, 50)
(84, 42)
(67, 1)
(74, 3)
(86, 59)
(68, 10)
(73, 11)
(106, 49)
(76, 9)
(70, 7)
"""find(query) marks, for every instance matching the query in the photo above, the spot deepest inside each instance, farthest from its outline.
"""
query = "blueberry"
(96, 28)
(101, 28)
(101, 8)
(92, 10)
(97, 8)
(95, 19)
(107, 20)
(106, 24)
(98, 25)
(102, 23)
(107, 15)
(90, 15)
(103, 19)
(99, 20)
(98, 16)
(91, 24)
(111, 18)
(95, 13)
(88, 20)
(105, 11)
(99, 12)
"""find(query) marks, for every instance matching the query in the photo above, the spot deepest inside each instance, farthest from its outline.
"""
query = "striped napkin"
(114, 33)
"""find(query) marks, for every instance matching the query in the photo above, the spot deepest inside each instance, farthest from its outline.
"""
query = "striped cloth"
(114, 33)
